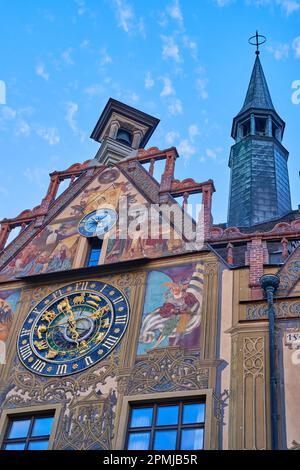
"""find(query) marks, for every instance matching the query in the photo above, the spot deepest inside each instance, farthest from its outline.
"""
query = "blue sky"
(186, 62)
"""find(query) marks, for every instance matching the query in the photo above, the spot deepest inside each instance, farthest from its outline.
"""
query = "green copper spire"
(258, 95)
(259, 185)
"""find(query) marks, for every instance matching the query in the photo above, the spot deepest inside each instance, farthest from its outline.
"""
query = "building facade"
(128, 332)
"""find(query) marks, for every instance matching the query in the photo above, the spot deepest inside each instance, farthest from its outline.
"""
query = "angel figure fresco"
(172, 311)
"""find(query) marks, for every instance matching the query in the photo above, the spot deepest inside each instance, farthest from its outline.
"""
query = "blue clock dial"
(73, 328)
(97, 223)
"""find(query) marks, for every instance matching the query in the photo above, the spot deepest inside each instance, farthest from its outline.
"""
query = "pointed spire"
(258, 95)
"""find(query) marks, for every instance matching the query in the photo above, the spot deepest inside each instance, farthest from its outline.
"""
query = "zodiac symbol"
(41, 344)
(64, 305)
(79, 299)
(92, 303)
(40, 330)
(51, 354)
(95, 297)
(48, 316)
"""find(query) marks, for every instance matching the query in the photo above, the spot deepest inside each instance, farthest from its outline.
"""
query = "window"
(28, 432)
(95, 251)
(260, 126)
(171, 426)
(124, 137)
(246, 128)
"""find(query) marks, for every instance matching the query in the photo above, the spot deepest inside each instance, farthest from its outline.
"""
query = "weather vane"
(257, 41)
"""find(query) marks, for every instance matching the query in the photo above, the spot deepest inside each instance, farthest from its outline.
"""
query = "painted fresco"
(55, 247)
(139, 245)
(172, 308)
(8, 305)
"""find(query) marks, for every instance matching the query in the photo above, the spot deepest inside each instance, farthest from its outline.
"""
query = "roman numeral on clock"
(25, 352)
(110, 342)
(81, 286)
(88, 360)
(39, 365)
(24, 332)
(119, 299)
(62, 369)
(121, 319)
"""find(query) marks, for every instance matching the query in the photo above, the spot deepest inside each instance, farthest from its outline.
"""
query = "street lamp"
(270, 283)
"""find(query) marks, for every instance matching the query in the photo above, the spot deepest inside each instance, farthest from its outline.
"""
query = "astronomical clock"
(73, 328)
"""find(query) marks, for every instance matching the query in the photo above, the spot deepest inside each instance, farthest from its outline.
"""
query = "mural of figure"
(8, 306)
(52, 250)
(172, 311)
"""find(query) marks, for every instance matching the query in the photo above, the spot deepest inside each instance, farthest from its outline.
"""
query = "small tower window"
(94, 252)
(260, 126)
(124, 136)
(246, 127)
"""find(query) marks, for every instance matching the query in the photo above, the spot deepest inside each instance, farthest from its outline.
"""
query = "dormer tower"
(122, 131)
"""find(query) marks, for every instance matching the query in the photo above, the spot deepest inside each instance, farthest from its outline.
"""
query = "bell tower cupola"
(122, 131)
(259, 184)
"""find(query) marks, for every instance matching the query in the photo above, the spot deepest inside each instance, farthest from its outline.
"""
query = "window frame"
(128, 401)
(29, 438)
(90, 249)
(25, 412)
(153, 428)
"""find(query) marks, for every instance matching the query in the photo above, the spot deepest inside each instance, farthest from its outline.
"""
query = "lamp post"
(270, 283)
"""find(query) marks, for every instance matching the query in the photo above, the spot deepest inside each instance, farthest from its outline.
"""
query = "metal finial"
(257, 41)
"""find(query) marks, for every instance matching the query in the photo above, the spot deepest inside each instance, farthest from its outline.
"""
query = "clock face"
(73, 328)
(97, 223)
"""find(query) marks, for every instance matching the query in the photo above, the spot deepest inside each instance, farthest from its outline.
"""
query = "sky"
(187, 62)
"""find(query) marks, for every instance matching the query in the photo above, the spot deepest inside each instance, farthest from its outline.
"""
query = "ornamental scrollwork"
(168, 370)
(253, 352)
(88, 402)
(282, 310)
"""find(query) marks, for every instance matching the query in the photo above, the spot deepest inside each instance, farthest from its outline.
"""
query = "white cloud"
(289, 6)
(125, 14)
(81, 7)
(72, 109)
(281, 51)
(193, 132)
(149, 82)
(95, 90)
(49, 134)
(175, 107)
(41, 72)
(23, 129)
(66, 56)
(213, 153)
(70, 117)
(201, 84)
(7, 113)
(191, 45)
(186, 149)
(222, 3)
(105, 58)
(168, 89)
(38, 176)
(133, 97)
(85, 44)
(296, 47)
(170, 49)
(171, 137)
(174, 11)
